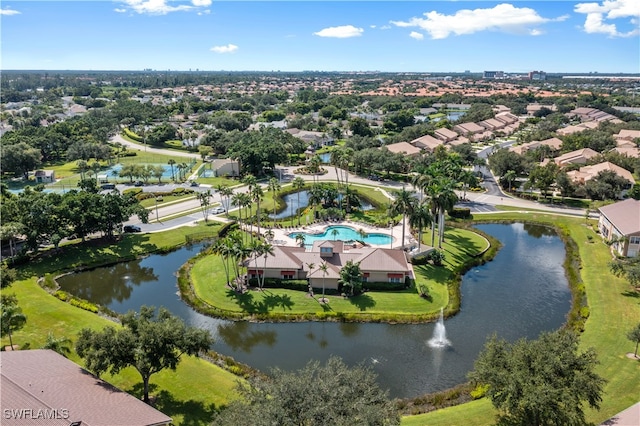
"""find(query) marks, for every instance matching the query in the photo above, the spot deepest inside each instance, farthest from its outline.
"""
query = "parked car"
(193, 183)
(138, 183)
(108, 186)
(131, 228)
(217, 210)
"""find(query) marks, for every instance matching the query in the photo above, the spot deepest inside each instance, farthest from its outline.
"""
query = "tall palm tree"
(403, 204)
(298, 184)
(221, 248)
(185, 166)
(274, 187)
(315, 197)
(445, 199)
(300, 238)
(267, 250)
(325, 270)
(311, 267)
(420, 218)
(225, 194)
(180, 168)
(334, 234)
(171, 162)
(257, 195)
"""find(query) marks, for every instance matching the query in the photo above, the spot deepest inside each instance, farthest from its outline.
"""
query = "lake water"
(300, 200)
(522, 292)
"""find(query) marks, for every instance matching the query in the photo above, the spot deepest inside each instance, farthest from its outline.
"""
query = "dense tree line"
(47, 218)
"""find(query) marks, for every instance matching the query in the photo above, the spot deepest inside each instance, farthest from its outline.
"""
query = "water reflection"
(522, 292)
(242, 336)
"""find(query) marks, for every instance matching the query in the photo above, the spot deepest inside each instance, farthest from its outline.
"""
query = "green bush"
(133, 191)
(62, 295)
(383, 286)
(132, 135)
(460, 213)
(584, 312)
(83, 304)
(479, 392)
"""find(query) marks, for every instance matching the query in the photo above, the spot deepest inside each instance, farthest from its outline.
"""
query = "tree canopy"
(330, 394)
(539, 382)
(147, 342)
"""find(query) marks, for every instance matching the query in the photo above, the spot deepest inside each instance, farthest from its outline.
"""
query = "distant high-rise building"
(537, 75)
(493, 74)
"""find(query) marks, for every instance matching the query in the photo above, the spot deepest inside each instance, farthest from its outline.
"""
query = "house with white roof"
(620, 223)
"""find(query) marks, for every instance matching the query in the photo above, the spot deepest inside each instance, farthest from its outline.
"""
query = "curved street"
(161, 216)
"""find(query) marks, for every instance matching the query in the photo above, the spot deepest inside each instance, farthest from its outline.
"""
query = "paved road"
(138, 147)
(478, 202)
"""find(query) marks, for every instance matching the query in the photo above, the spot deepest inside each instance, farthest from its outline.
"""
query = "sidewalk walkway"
(628, 417)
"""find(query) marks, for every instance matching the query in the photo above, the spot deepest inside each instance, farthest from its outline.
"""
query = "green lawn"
(208, 279)
(614, 310)
(189, 395)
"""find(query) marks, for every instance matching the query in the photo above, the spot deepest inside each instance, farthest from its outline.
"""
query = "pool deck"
(281, 235)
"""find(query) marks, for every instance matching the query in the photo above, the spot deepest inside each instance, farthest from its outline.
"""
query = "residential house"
(469, 129)
(587, 173)
(533, 108)
(427, 142)
(376, 264)
(569, 130)
(626, 137)
(317, 139)
(620, 223)
(592, 114)
(492, 124)
(41, 387)
(629, 151)
(580, 156)
(554, 144)
(225, 167)
(403, 148)
(445, 135)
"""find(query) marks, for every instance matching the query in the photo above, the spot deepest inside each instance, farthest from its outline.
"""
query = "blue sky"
(412, 36)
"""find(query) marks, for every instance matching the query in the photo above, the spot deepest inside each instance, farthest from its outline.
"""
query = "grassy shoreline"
(612, 311)
(611, 305)
(202, 285)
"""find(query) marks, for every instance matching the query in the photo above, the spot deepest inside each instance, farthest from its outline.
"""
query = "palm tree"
(171, 162)
(180, 168)
(12, 317)
(468, 178)
(509, 177)
(205, 203)
(420, 218)
(267, 250)
(60, 345)
(82, 167)
(225, 194)
(362, 233)
(257, 195)
(403, 204)
(445, 199)
(315, 197)
(221, 248)
(274, 187)
(269, 234)
(300, 238)
(298, 184)
(334, 234)
(325, 270)
(310, 266)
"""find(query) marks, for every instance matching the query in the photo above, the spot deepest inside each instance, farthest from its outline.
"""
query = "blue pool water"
(345, 233)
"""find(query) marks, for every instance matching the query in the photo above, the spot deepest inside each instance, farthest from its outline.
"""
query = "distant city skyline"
(386, 36)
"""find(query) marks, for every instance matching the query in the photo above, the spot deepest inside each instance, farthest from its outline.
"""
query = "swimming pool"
(344, 233)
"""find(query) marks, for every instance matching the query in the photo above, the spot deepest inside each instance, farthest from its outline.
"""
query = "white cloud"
(162, 7)
(344, 31)
(503, 17)
(120, 10)
(229, 48)
(385, 27)
(598, 13)
(536, 32)
(8, 12)
(372, 26)
(416, 35)
(204, 12)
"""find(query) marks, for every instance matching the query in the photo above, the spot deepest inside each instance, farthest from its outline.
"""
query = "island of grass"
(203, 284)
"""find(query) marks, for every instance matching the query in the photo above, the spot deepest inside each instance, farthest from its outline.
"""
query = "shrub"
(383, 286)
(460, 213)
(133, 191)
(62, 295)
(479, 392)
(437, 257)
(83, 304)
